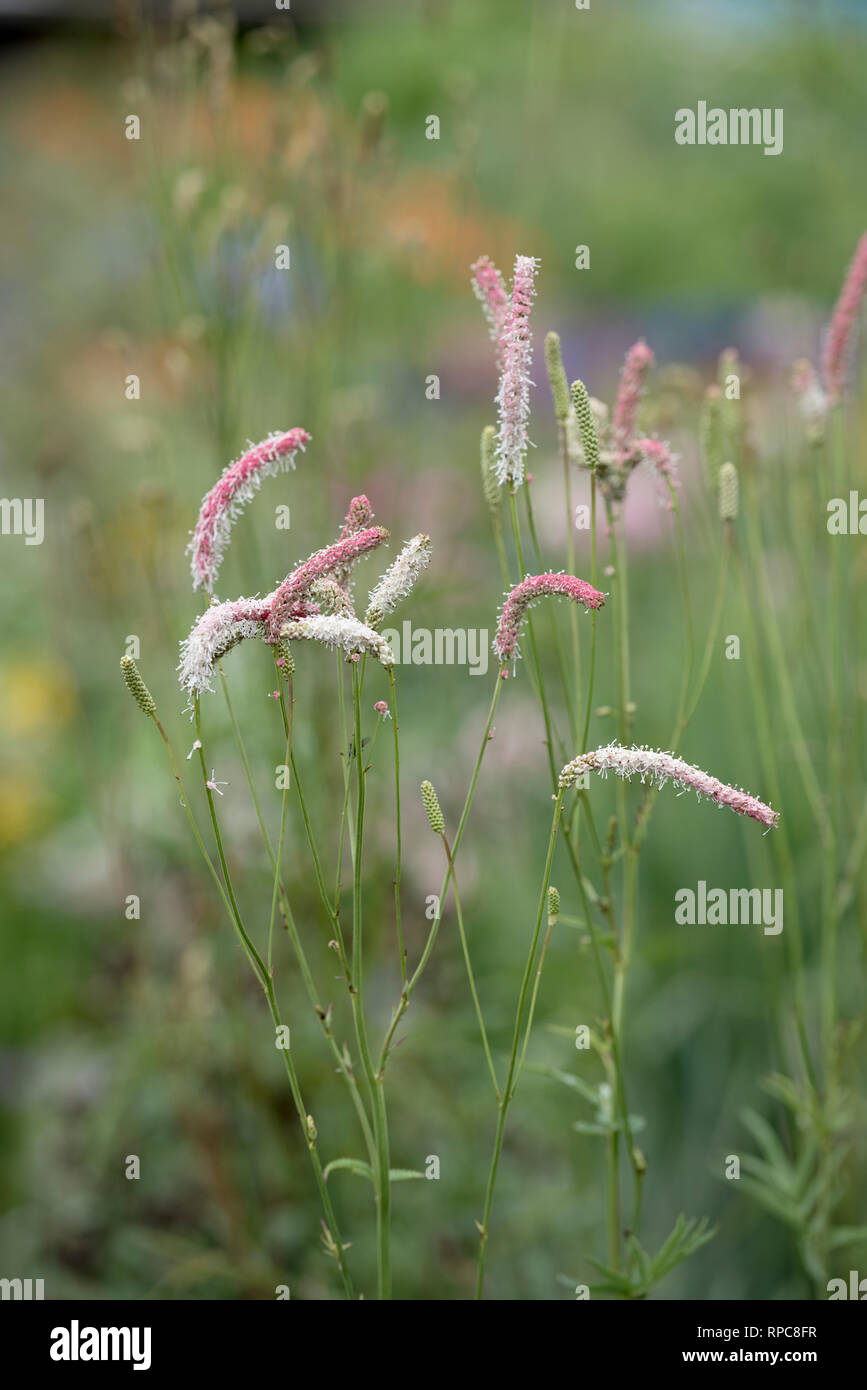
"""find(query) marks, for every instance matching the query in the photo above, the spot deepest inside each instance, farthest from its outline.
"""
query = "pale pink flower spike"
(513, 397)
(639, 360)
(237, 486)
(839, 339)
(659, 768)
(490, 291)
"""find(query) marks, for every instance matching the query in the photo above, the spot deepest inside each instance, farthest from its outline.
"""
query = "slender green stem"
(511, 1082)
(375, 1083)
(407, 991)
(401, 950)
(470, 976)
(264, 978)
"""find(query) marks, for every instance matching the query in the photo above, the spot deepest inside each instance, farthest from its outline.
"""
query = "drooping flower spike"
(841, 330)
(534, 587)
(398, 580)
(322, 564)
(236, 487)
(218, 630)
(490, 291)
(513, 396)
(659, 768)
(350, 635)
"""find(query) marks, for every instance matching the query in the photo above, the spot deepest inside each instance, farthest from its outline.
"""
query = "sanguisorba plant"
(315, 606)
(801, 1184)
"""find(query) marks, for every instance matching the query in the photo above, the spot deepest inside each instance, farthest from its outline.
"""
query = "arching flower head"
(213, 634)
(236, 487)
(322, 564)
(534, 587)
(348, 634)
(659, 768)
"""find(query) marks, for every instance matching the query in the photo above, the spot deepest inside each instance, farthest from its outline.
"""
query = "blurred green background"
(156, 257)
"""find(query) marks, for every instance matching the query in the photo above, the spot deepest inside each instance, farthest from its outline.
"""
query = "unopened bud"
(432, 808)
(136, 686)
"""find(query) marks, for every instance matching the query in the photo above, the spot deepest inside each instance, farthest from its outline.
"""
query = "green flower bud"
(432, 807)
(711, 435)
(136, 686)
(586, 424)
(283, 652)
(556, 375)
(553, 905)
(728, 492)
(490, 486)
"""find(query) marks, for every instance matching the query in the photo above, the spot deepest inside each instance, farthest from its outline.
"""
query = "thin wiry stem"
(509, 1088)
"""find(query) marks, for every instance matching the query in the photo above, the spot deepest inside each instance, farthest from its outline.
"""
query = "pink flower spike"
(321, 565)
(236, 487)
(513, 397)
(659, 768)
(639, 360)
(358, 517)
(534, 587)
(490, 291)
(840, 334)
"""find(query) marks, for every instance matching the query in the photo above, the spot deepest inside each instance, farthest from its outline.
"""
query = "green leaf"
(352, 1165)
(847, 1235)
(404, 1174)
(567, 1078)
(765, 1138)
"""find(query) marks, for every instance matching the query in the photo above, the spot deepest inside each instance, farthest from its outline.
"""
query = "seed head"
(553, 905)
